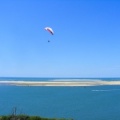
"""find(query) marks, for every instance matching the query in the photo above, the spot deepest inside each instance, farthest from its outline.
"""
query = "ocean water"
(79, 103)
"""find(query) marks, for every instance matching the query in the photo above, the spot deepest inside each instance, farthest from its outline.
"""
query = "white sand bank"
(60, 83)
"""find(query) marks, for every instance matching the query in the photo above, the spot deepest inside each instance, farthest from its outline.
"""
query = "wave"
(108, 90)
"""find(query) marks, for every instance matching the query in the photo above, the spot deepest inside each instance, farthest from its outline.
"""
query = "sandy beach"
(60, 83)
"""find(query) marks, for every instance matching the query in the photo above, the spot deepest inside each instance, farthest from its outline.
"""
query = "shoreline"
(60, 83)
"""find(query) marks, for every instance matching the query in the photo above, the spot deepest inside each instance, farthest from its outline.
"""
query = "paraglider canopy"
(49, 30)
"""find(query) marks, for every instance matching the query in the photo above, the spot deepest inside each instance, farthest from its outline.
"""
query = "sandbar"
(60, 83)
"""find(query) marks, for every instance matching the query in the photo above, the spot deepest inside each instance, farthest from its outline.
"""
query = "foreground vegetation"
(15, 116)
(26, 117)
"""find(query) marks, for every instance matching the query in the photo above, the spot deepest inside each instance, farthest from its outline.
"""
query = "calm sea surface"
(79, 103)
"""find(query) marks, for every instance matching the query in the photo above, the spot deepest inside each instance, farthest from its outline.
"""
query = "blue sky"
(86, 42)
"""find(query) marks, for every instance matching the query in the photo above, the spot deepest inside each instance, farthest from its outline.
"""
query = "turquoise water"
(49, 79)
(79, 103)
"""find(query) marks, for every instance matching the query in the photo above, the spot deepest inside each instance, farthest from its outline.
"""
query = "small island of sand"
(60, 83)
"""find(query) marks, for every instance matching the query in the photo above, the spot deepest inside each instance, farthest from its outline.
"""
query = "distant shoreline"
(60, 83)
